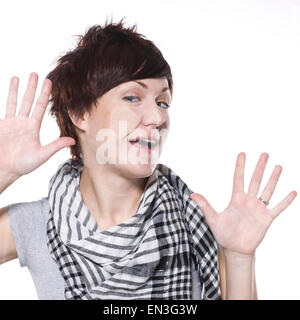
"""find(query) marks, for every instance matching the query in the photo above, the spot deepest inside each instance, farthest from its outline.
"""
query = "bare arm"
(7, 244)
(231, 275)
(20, 148)
(7, 248)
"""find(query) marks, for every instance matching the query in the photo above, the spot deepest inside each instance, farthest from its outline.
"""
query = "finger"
(238, 180)
(258, 174)
(270, 187)
(29, 95)
(209, 213)
(42, 102)
(50, 149)
(283, 204)
(12, 98)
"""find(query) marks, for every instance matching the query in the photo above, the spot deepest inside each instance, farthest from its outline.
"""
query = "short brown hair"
(105, 56)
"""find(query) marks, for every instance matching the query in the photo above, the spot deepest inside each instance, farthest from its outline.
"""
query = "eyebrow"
(146, 87)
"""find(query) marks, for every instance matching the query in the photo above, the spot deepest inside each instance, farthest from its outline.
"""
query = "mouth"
(144, 143)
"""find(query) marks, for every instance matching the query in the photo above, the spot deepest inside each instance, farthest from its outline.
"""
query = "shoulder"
(28, 211)
(28, 219)
(29, 216)
(174, 182)
(28, 206)
(203, 243)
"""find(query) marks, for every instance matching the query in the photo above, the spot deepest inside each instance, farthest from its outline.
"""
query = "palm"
(245, 221)
(19, 142)
(20, 147)
(243, 224)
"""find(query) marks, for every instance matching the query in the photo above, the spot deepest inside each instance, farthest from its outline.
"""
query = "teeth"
(145, 142)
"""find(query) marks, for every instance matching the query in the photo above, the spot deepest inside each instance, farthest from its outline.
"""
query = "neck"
(110, 197)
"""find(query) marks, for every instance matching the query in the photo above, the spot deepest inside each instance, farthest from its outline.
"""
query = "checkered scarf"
(149, 256)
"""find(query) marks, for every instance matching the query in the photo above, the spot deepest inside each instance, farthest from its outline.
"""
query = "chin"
(138, 170)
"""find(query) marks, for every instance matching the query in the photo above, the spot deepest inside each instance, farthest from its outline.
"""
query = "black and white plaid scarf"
(149, 256)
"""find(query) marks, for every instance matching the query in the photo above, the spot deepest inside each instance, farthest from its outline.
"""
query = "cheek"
(97, 125)
(107, 119)
(123, 121)
(99, 129)
(110, 128)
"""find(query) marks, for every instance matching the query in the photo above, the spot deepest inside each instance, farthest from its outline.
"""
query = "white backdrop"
(236, 71)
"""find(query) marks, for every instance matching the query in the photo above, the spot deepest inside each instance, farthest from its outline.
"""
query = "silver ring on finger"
(263, 201)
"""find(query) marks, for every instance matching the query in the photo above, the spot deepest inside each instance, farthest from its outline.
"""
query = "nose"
(154, 115)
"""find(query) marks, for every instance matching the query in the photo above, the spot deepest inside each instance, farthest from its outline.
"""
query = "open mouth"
(144, 143)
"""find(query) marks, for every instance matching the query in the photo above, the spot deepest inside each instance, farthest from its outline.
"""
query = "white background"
(236, 71)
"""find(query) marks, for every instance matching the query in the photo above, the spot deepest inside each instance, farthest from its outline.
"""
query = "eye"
(131, 98)
(164, 104)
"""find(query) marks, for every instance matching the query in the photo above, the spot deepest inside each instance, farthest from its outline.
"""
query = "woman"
(116, 224)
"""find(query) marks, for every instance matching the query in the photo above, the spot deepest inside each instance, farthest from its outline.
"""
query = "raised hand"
(243, 224)
(20, 148)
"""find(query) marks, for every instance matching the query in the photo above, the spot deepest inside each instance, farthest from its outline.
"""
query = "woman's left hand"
(243, 224)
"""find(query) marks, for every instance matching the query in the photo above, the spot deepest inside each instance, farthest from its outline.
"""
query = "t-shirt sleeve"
(24, 219)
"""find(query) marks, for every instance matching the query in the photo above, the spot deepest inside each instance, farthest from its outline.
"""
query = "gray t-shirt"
(28, 222)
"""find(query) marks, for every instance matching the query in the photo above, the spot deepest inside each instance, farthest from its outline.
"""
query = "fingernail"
(15, 80)
(278, 169)
(47, 86)
(241, 158)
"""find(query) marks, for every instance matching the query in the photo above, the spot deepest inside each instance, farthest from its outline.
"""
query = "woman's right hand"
(20, 148)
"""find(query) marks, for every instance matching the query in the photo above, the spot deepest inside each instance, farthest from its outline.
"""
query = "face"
(128, 127)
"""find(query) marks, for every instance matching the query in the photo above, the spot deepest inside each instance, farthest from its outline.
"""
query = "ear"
(79, 122)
